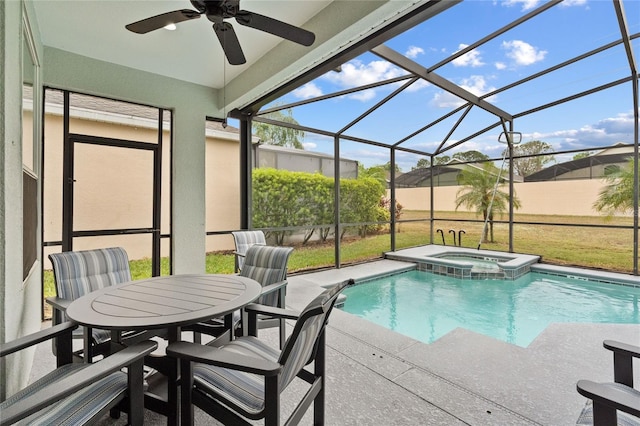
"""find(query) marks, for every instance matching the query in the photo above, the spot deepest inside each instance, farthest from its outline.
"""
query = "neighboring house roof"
(101, 109)
(618, 148)
(553, 172)
(295, 151)
(417, 176)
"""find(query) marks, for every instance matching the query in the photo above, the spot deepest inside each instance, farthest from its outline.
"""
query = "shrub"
(282, 198)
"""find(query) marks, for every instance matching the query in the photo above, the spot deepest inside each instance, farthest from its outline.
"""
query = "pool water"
(427, 306)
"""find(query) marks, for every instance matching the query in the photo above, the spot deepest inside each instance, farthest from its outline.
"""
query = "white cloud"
(414, 51)
(522, 52)
(605, 132)
(309, 90)
(500, 65)
(469, 59)
(526, 4)
(309, 146)
(532, 4)
(475, 84)
(418, 85)
(569, 3)
(356, 73)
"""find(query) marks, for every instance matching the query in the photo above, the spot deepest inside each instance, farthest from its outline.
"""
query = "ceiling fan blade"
(275, 27)
(230, 44)
(159, 21)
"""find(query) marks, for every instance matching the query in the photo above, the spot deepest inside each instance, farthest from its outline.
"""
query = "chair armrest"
(37, 337)
(59, 303)
(273, 287)
(72, 383)
(255, 308)
(221, 358)
(623, 355)
(620, 347)
(611, 395)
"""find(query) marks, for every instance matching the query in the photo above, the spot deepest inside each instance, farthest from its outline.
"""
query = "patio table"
(167, 302)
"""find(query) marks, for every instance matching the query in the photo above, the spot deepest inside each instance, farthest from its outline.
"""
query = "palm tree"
(477, 192)
(617, 195)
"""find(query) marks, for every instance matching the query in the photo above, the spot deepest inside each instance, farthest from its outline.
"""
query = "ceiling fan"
(219, 10)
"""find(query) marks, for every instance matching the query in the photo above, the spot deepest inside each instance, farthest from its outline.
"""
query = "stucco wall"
(19, 299)
(571, 197)
(113, 187)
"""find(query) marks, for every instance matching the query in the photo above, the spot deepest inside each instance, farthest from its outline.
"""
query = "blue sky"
(567, 30)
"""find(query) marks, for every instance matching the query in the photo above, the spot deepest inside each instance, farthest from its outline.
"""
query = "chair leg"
(135, 380)
(272, 401)
(319, 371)
(283, 334)
(186, 388)
(88, 345)
(114, 413)
(604, 415)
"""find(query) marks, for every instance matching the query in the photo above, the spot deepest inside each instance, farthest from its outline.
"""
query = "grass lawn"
(604, 248)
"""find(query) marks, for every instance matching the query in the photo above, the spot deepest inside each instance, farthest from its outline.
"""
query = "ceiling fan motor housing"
(216, 10)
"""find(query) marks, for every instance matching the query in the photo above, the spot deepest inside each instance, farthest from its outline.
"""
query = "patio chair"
(78, 393)
(244, 240)
(78, 273)
(268, 266)
(243, 379)
(614, 403)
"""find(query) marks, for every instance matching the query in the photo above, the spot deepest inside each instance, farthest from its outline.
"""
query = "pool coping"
(478, 379)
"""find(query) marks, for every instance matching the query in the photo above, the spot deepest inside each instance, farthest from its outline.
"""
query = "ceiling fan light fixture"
(170, 27)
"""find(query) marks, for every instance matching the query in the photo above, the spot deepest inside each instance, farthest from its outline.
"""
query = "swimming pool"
(426, 306)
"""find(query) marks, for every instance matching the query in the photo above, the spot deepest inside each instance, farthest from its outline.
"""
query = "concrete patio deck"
(379, 377)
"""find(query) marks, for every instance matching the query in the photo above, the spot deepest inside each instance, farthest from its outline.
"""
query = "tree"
(443, 159)
(617, 195)
(533, 162)
(584, 154)
(387, 167)
(278, 135)
(468, 156)
(477, 191)
(378, 173)
(422, 163)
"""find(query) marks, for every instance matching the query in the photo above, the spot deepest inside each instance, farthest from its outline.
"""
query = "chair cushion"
(77, 408)
(267, 265)
(244, 390)
(80, 272)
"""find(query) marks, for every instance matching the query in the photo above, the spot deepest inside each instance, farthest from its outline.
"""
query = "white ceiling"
(96, 29)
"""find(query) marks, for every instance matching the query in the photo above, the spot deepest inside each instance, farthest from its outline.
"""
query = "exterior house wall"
(121, 182)
(20, 299)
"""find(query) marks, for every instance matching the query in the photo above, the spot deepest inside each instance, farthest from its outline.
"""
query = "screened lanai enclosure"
(498, 125)
(510, 126)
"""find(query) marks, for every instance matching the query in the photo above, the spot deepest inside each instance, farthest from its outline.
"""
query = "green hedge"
(282, 198)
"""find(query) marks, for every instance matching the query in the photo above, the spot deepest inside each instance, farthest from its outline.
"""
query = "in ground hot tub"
(467, 263)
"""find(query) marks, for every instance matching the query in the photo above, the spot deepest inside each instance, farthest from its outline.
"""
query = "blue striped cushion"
(80, 272)
(77, 408)
(267, 265)
(245, 390)
(302, 349)
(244, 240)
